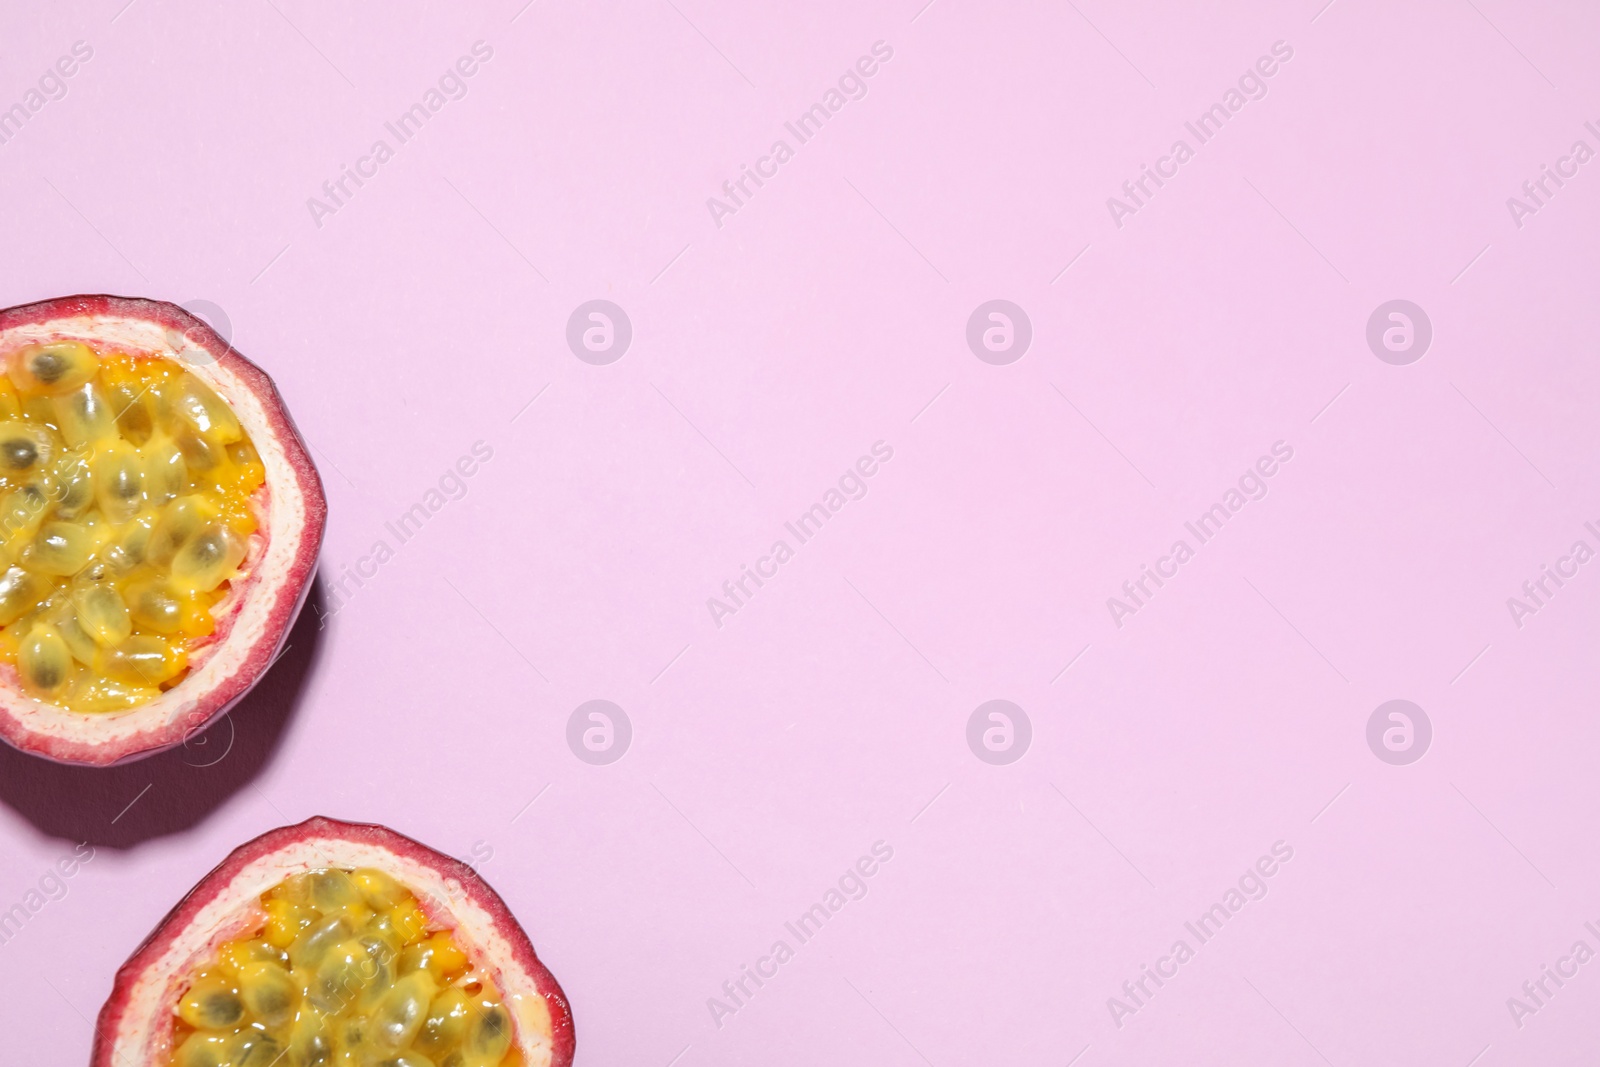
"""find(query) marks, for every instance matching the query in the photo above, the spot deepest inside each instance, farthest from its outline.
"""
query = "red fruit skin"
(507, 929)
(209, 706)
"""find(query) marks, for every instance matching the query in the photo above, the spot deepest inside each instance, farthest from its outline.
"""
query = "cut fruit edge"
(136, 1024)
(261, 606)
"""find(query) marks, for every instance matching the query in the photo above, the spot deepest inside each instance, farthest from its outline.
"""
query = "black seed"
(19, 453)
(262, 1052)
(224, 1008)
(48, 366)
(47, 677)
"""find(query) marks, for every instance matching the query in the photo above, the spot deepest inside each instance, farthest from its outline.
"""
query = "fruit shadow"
(123, 806)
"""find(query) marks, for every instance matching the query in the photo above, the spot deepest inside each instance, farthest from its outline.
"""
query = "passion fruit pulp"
(333, 944)
(160, 519)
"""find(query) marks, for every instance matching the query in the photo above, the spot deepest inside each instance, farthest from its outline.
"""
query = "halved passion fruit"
(159, 526)
(333, 944)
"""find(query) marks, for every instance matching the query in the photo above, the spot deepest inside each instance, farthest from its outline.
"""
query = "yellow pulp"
(344, 970)
(125, 488)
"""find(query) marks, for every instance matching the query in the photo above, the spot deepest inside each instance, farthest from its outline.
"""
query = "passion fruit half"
(334, 944)
(160, 519)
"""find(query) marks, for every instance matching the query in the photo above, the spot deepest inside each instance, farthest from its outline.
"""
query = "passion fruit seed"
(317, 941)
(21, 448)
(488, 1035)
(19, 591)
(84, 416)
(180, 522)
(22, 512)
(130, 401)
(119, 481)
(330, 978)
(400, 1014)
(64, 617)
(154, 606)
(165, 472)
(237, 955)
(309, 1043)
(76, 487)
(44, 660)
(52, 370)
(205, 412)
(446, 1023)
(253, 1048)
(128, 551)
(134, 470)
(212, 1003)
(378, 889)
(61, 549)
(201, 1049)
(332, 890)
(344, 975)
(143, 660)
(268, 993)
(103, 614)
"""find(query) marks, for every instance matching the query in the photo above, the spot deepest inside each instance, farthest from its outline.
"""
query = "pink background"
(769, 353)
